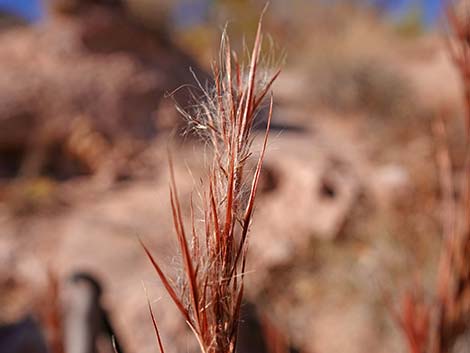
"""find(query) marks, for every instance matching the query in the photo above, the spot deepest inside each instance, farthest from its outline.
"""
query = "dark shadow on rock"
(24, 336)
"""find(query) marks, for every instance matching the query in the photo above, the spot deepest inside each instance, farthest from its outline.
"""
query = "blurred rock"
(308, 193)
(390, 185)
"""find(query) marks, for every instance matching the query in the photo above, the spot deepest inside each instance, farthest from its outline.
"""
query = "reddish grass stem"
(214, 262)
(451, 309)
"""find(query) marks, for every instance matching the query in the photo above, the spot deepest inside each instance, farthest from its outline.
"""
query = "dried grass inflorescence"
(453, 287)
(450, 313)
(210, 292)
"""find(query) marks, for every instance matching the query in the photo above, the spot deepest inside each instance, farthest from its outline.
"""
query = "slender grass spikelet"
(214, 255)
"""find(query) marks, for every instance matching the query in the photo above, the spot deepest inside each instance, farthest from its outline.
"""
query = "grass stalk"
(214, 255)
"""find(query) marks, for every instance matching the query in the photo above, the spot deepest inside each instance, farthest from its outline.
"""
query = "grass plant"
(209, 294)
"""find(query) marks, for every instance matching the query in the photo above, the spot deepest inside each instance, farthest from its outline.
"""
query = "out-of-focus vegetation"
(342, 47)
(294, 24)
(349, 200)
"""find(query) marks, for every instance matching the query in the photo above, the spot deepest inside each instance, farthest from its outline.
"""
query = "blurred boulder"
(307, 192)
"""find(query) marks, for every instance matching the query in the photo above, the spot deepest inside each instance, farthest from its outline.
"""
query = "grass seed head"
(214, 254)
